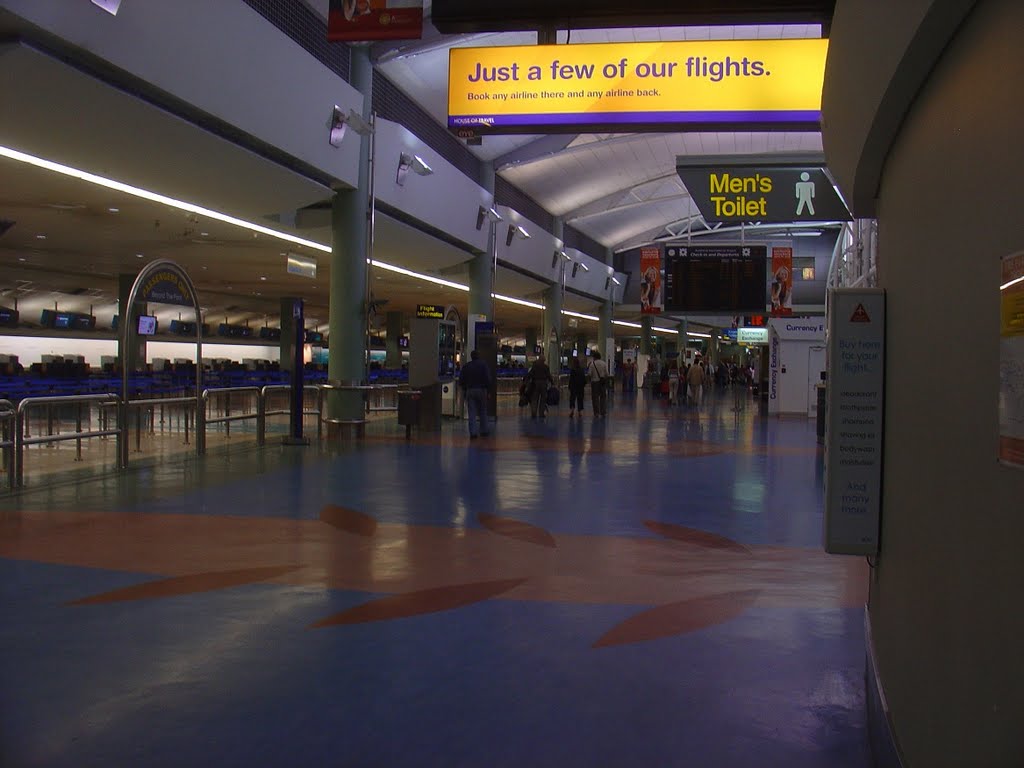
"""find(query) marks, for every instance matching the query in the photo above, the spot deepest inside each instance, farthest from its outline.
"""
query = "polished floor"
(646, 590)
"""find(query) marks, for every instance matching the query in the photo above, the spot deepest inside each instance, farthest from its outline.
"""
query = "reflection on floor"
(642, 590)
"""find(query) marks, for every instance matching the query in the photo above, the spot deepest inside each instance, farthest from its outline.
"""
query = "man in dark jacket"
(539, 377)
(475, 380)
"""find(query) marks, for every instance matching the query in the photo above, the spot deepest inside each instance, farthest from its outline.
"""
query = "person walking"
(475, 380)
(577, 383)
(539, 377)
(695, 380)
(673, 381)
(597, 374)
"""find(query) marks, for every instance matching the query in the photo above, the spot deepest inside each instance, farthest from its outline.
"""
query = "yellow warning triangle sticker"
(860, 315)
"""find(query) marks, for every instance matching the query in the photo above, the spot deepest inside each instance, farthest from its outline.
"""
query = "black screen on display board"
(725, 279)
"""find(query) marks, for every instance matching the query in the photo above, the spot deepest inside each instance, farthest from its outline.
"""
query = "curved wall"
(945, 602)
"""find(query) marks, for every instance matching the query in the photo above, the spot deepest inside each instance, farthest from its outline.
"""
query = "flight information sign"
(714, 278)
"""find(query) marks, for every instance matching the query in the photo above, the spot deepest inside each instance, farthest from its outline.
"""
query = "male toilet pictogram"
(805, 194)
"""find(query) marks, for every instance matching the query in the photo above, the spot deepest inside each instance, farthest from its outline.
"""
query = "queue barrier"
(15, 433)
(21, 439)
(268, 391)
(8, 417)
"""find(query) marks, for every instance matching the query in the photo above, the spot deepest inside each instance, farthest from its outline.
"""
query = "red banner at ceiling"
(651, 293)
(355, 20)
(782, 281)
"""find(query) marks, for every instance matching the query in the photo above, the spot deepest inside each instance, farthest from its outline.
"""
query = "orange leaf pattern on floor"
(188, 585)
(348, 520)
(679, 618)
(517, 529)
(420, 602)
(694, 536)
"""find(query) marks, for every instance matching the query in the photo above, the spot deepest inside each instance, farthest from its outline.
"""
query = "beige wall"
(947, 598)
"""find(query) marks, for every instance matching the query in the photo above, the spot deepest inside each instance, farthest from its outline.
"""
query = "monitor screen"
(147, 325)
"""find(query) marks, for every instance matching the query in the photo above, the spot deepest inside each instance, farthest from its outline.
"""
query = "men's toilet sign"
(764, 194)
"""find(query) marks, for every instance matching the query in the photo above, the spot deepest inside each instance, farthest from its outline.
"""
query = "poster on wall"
(856, 412)
(651, 291)
(782, 282)
(356, 20)
(1011, 361)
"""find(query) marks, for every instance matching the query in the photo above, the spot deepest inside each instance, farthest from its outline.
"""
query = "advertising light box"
(655, 86)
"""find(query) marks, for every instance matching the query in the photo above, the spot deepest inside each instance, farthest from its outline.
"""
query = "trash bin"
(822, 415)
(408, 410)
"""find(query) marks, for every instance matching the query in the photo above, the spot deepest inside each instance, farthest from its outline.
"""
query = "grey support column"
(553, 325)
(481, 266)
(683, 338)
(714, 352)
(346, 361)
(553, 298)
(646, 348)
(531, 342)
(605, 312)
(393, 352)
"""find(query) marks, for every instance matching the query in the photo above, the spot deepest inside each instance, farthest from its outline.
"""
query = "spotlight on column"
(616, 280)
(513, 231)
(407, 162)
(488, 214)
(555, 257)
(340, 123)
(575, 268)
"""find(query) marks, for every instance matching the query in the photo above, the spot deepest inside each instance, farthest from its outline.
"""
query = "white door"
(815, 367)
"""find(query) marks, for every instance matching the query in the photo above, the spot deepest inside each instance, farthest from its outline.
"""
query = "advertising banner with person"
(355, 20)
(782, 282)
(651, 294)
(1011, 361)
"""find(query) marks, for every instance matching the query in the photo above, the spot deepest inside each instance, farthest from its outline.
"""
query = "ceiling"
(69, 244)
(71, 240)
(621, 190)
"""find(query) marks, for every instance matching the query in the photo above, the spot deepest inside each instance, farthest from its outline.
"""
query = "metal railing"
(15, 434)
(188, 403)
(383, 397)
(268, 391)
(227, 419)
(8, 419)
(21, 439)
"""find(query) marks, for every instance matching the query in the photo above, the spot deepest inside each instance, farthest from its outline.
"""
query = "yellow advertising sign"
(695, 84)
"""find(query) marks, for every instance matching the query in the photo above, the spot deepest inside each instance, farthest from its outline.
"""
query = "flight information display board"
(716, 278)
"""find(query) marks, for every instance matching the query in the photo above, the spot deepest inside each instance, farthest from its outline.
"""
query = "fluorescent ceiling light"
(581, 316)
(1012, 282)
(520, 302)
(698, 335)
(584, 267)
(421, 276)
(181, 205)
(616, 281)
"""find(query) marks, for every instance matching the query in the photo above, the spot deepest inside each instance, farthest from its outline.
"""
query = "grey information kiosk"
(432, 347)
